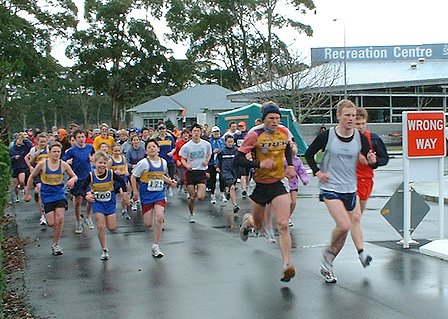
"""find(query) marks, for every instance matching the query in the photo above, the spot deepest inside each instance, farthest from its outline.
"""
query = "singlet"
(339, 162)
(52, 184)
(120, 167)
(103, 188)
(42, 156)
(152, 186)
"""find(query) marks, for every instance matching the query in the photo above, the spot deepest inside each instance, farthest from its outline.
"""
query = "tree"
(25, 44)
(239, 34)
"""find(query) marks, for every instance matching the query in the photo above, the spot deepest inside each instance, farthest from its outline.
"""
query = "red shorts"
(146, 208)
(365, 187)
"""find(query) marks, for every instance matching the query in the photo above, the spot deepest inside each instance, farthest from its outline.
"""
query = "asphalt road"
(208, 272)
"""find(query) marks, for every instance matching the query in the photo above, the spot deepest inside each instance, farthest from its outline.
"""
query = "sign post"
(424, 149)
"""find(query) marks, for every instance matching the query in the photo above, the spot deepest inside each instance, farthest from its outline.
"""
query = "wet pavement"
(208, 272)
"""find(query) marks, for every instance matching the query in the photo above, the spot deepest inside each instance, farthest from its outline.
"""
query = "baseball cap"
(161, 126)
(215, 129)
(242, 123)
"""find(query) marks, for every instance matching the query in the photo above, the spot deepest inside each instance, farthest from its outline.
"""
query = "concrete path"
(208, 272)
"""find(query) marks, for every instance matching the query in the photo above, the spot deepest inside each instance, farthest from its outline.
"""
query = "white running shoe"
(56, 250)
(224, 198)
(79, 228)
(191, 218)
(89, 222)
(213, 199)
(105, 254)
(43, 220)
(365, 259)
(156, 252)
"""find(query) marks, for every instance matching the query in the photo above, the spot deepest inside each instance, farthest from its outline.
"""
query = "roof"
(195, 100)
(360, 75)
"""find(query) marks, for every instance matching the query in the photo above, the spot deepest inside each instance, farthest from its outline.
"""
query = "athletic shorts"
(230, 182)
(365, 187)
(195, 177)
(76, 190)
(146, 208)
(17, 171)
(263, 194)
(51, 206)
(349, 199)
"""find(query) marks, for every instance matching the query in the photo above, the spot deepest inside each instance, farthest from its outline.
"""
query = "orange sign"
(426, 134)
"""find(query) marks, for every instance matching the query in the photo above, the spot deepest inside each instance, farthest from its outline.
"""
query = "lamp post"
(345, 58)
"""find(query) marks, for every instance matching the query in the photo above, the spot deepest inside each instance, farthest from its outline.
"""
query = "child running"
(118, 164)
(152, 172)
(51, 171)
(102, 197)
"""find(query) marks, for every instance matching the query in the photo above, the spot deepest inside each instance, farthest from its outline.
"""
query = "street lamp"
(345, 59)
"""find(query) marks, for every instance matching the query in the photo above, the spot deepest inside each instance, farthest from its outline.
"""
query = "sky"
(367, 23)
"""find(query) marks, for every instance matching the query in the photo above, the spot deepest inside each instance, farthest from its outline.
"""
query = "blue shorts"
(349, 199)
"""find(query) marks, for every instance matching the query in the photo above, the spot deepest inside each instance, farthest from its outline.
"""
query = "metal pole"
(345, 58)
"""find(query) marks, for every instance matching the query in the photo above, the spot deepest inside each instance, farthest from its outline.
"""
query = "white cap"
(215, 129)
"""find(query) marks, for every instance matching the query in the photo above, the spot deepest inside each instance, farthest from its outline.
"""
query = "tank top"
(152, 186)
(52, 187)
(103, 188)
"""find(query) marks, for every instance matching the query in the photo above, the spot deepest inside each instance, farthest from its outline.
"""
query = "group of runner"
(150, 165)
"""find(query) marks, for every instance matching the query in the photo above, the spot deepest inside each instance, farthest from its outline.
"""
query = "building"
(386, 80)
(199, 104)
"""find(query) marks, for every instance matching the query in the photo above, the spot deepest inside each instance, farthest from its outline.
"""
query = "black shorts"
(263, 194)
(76, 190)
(50, 207)
(230, 182)
(37, 180)
(195, 177)
(348, 199)
(17, 171)
(171, 169)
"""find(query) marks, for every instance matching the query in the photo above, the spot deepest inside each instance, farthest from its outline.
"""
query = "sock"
(155, 246)
(360, 251)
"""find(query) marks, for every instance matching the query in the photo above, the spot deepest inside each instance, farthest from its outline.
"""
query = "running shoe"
(79, 228)
(156, 252)
(134, 206)
(244, 193)
(290, 223)
(269, 235)
(125, 215)
(43, 220)
(22, 194)
(89, 222)
(328, 275)
(56, 250)
(365, 259)
(224, 198)
(191, 218)
(213, 198)
(236, 209)
(105, 254)
(244, 229)
(288, 273)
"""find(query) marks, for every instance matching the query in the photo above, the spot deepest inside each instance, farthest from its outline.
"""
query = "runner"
(217, 144)
(51, 171)
(182, 140)
(117, 163)
(37, 154)
(19, 167)
(78, 156)
(166, 149)
(271, 146)
(102, 197)
(337, 177)
(152, 172)
(104, 137)
(195, 156)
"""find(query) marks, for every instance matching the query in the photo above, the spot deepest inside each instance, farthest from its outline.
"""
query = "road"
(208, 272)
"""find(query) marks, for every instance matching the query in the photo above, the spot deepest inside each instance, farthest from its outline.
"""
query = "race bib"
(103, 196)
(155, 185)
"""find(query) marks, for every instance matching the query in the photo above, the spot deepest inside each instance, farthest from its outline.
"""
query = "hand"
(371, 157)
(27, 196)
(90, 197)
(267, 163)
(70, 184)
(362, 160)
(205, 163)
(173, 183)
(322, 177)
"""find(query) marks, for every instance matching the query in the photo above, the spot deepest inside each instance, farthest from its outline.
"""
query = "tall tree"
(239, 34)
(120, 55)
(27, 28)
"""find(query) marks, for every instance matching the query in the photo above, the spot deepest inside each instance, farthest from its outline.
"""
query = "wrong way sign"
(425, 132)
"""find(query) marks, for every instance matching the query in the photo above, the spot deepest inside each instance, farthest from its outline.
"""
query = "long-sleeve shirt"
(133, 156)
(301, 172)
(17, 155)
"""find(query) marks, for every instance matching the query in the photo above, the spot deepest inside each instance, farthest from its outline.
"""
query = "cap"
(270, 108)
(215, 129)
(96, 131)
(161, 126)
(242, 123)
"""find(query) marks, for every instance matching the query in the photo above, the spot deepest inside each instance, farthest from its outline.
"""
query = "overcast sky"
(367, 22)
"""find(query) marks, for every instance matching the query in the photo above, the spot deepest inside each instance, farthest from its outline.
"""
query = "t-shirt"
(100, 140)
(196, 154)
(81, 159)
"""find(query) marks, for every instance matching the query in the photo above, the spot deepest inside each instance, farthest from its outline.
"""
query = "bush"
(5, 178)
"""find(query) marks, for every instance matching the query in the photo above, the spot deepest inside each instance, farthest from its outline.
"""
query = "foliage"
(5, 177)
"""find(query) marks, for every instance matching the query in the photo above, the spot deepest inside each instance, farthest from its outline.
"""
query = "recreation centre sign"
(379, 53)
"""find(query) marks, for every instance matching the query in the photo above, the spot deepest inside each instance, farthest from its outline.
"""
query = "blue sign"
(380, 53)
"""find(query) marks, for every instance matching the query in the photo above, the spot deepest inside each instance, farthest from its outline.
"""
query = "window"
(152, 122)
